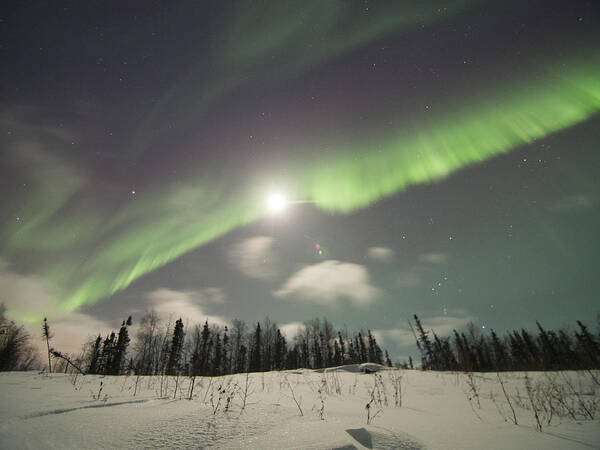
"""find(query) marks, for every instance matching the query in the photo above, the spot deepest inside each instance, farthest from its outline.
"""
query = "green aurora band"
(90, 253)
(266, 42)
(363, 172)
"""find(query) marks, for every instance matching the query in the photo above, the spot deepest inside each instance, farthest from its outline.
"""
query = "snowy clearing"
(302, 409)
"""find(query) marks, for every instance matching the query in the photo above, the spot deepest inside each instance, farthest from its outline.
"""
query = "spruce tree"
(242, 359)
(305, 355)
(176, 348)
(388, 361)
(291, 359)
(500, 357)
(94, 356)
(532, 350)
(225, 351)
(217, 355)
(255, 352)
(362, 348)
(375, 353)
(205, 344)
(280, 351)
(47, 335)
(352, 357)
(547, 350)
(424, 344)
(342, 359)
(337, 354)
(120, 348)
(566, 349)
(107, 355)
(589, 348)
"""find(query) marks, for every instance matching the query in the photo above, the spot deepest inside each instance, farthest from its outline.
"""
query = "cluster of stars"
(438, 284)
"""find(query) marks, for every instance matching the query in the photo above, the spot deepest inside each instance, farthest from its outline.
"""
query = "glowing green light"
(360, 173)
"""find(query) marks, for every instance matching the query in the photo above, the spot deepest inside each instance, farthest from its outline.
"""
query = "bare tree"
(147, 344)
(16, 352)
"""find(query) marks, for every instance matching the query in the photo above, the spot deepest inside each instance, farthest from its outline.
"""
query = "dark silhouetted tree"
(226, 367)
(280, 351)
(424, 344)
(588, 346)
(118, 358)
(388, 361)
(94, 356)
(217, 357)
(176, 351)
(255, 364)
(47, 335)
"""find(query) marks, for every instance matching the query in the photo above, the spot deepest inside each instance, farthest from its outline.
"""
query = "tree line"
(210, 349)
(166, 348)
(517, 350)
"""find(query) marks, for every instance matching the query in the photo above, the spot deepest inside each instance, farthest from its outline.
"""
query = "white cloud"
(70, 330)
(399, 336)
(433, 258)
(30, 296)
(255, 257)
(329, 281)
(186, 304)
(382, 254)
(291, 330)
(442, 325)
(27, 295)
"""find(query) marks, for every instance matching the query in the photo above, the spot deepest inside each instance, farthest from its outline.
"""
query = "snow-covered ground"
(433, 411)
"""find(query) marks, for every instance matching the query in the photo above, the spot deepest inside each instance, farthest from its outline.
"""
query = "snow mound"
(355, 368)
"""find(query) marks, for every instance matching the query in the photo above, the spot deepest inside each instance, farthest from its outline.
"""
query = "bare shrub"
(532, 402)
(473, 389)
(378, 398)
(245, 391)
(507, 397)
(396, 380)
(322, 391)
(222, 396)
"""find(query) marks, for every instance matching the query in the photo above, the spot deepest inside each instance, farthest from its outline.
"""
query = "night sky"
(436, 158)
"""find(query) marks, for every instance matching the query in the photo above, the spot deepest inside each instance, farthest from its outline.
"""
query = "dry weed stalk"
(294, 395)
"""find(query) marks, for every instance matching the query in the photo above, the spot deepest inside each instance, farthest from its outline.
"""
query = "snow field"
(303, 409)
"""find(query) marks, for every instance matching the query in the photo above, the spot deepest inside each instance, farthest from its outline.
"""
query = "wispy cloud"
(382, 254)
(70, 332)
(442, 325)
(571, 204)
(255, 257)
(400, 336)
(188, 305)
(28, 296)
(328, 282)
(433, 258)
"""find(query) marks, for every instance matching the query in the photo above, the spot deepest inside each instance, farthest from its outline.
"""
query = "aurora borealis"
(459, 138)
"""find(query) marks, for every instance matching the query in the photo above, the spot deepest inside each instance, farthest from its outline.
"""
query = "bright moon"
(276, 202)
